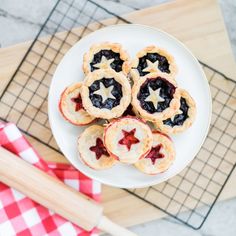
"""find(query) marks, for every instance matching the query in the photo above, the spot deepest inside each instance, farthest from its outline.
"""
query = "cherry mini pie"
(128, 139)
(155, 97)
(160, 157)
(71, 106)
(183, 118)
(92, 150)
(106, 94)
(106, 56)
(153, 59)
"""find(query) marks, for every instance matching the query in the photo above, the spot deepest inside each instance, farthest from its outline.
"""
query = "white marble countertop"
(21, 20)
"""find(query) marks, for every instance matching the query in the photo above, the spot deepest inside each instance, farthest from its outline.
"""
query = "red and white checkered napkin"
(21, 216)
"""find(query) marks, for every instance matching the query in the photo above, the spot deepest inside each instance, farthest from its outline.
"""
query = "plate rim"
(154, 182)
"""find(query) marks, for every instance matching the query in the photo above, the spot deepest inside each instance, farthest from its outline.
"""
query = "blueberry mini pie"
(152, 59)
(155, 97)
(183, 118)
(106, 56)
(106, 94)
(128, 139)
(161, 156)
(92, 150)
(71, 106)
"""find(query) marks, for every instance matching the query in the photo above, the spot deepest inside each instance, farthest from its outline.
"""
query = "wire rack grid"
(188, 197)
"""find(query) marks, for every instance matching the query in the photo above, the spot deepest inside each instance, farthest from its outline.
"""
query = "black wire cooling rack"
(189, 196)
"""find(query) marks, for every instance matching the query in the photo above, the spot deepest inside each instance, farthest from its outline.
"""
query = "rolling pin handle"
(112, 228)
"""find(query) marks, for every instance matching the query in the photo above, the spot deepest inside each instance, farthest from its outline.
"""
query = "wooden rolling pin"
(53, 194)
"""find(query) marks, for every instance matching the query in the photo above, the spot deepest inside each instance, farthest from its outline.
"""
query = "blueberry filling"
(163, 65)
(109, 54)
(167, 91)
(97, 99)
(179, 119)
(129, 111)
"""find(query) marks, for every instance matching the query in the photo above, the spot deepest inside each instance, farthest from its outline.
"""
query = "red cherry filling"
(99, 149)
(155, 153)
(78, 102)
(129, 139)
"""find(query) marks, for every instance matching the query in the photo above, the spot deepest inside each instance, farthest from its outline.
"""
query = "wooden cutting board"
(200, 26)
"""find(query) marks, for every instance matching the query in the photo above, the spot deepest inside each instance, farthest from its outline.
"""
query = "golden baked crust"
(87, 143)
(187, 123)
(157, 116)
(103, 112)
(75, 115)
(161, 156)
(128, 139)
(153, 49)
(115, 47)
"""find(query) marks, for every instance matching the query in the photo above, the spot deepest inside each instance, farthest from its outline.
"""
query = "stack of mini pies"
(138, 102)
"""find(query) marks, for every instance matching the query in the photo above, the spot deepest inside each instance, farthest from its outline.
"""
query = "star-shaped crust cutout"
(129, 139)
(154, 97)
(104, 92)
(151, 66)
(155, 153)
(78, 102)
(99, 149)
(104, 63)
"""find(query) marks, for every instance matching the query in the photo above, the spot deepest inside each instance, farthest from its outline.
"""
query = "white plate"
(190, 77)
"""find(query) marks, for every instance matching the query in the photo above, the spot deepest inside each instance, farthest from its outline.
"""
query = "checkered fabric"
(21, 216)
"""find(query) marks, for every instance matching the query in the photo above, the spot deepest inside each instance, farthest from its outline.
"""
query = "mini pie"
(183, 118)
(161, 156)
(128, 139)
(71, 106)
(155, 97)
(153, 59)
(106, 56)
(106, 94)
(92, 150)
